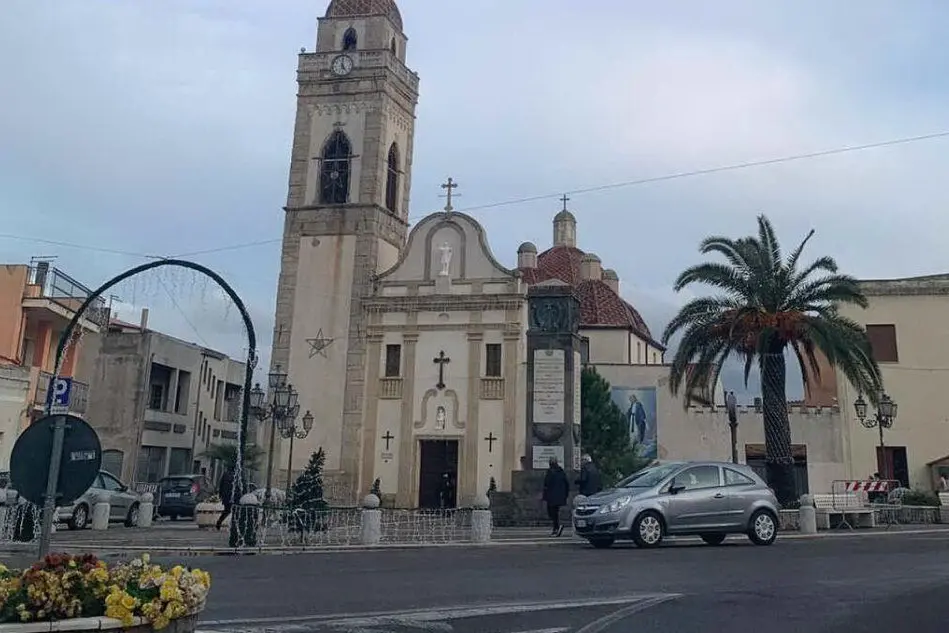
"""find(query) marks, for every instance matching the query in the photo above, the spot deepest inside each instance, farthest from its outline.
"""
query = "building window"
(883, 343)
(492, 360)
(156, 400)
(112, 461)
(334, 171)
(350, 40)
(392, 180)
(151, 464)
(393, 361)
(395, 50)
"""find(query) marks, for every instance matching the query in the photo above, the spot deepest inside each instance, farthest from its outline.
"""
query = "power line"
(175, 303)
(523, 200)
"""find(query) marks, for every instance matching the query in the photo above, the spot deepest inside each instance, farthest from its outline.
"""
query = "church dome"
(527, 247)
(599, 305)
(362, 8)
(565, 216)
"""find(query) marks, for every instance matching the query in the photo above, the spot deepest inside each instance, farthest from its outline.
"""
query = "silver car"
(123, 503)
(706, 499)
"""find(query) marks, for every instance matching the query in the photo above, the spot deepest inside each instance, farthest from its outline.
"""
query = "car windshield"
(648, 477)
(178, 483)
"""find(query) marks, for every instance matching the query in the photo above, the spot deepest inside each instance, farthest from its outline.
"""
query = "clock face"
(342, 65)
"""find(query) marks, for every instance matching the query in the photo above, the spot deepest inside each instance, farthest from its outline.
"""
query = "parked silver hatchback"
(706, 499)
(123, 503)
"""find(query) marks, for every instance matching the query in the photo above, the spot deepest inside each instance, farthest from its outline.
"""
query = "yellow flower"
(128, 602)
(161, 622)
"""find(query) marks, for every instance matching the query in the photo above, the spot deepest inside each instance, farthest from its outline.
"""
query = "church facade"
(410, 347)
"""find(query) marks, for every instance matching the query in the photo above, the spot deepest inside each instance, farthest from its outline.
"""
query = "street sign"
(30, 460)
(62, 390)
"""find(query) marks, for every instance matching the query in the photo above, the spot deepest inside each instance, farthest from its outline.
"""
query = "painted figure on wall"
(639, 407)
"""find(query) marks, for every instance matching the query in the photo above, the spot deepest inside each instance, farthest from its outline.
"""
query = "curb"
(530, 541)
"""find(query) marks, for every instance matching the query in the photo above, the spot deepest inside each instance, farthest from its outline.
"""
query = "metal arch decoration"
(250, 364)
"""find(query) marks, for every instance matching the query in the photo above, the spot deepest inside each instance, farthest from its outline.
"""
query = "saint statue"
(440, 418)
(445, 258)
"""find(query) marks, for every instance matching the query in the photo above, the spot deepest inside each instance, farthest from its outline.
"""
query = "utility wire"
(549, 196)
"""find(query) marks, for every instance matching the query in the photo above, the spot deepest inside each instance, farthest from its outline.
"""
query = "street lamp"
(884, 419)
(282, 409)
(289, 430)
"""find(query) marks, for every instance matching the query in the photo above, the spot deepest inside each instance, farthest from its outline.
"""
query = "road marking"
(600, 624)
(438, 614)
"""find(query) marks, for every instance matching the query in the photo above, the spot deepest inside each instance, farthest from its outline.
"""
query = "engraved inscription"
(549, 386)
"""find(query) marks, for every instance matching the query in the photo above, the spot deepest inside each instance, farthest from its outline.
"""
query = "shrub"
(920, 498)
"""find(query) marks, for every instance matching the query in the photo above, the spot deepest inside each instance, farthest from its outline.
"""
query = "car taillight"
(194, 488)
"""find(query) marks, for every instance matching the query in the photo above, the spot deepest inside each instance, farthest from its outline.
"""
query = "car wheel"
(713, 539)
(132, 519)
(602, 543)
(648, 529)
(79, 518)
(762, 528)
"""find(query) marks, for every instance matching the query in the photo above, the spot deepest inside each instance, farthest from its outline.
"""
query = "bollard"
(481, 519)
(370, 521)
(146, 510)
(246, 515)
(807, 515)
(100, 513)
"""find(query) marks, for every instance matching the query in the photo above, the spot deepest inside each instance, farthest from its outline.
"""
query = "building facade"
(158, 403)
(37, 301)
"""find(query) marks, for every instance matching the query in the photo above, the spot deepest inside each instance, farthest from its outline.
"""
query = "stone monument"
(553, 402)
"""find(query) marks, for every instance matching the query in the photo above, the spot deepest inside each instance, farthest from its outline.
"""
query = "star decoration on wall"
(319, 344)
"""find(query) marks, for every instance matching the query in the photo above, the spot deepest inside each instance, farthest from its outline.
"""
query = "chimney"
(565, 229)
(143, 324)
(40, 276)
(590, 267)
(611, 279)
(527, 255)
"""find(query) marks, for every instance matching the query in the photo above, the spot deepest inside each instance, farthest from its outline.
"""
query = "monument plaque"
(542, 455)
(549, 369)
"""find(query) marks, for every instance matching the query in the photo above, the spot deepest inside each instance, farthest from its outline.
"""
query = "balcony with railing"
(49, 287)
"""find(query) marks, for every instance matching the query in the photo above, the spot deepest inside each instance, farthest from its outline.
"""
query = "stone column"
(406, 439)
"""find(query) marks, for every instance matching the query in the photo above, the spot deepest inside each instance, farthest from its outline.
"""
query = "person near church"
(446, 491)
(227, 490)
(556, 491)
(943, 483)
(589, 481)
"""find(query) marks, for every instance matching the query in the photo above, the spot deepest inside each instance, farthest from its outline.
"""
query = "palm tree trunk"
(777, 428)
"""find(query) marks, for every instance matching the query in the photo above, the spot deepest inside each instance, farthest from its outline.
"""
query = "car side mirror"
(675, 489)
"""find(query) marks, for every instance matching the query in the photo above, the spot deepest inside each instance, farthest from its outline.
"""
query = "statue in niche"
(445, 252)
(440, 417)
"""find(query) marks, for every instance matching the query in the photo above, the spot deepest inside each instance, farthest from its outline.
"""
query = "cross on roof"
(449, 186)
(565, 200)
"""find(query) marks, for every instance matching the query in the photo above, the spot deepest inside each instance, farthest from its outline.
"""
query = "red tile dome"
(361, 8)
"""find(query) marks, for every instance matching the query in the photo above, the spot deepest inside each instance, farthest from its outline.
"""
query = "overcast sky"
(163, 127)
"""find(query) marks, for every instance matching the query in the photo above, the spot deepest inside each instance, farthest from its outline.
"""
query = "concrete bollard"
(807, 515)
(481, 519)
(146, 510)
(100, 514)
(370, 521)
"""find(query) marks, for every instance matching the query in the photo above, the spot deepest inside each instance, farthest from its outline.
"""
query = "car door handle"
(719, 495)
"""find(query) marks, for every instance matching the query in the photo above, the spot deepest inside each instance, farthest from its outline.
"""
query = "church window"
(492, 360)
(393, 361)
(334, 170)
(395, 51)
(392, 180)
(350, 40)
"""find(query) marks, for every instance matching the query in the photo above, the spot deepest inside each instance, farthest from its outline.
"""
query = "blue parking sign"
(62, 388)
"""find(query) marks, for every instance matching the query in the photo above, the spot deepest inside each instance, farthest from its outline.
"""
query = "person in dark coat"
(589, 482)
(227, 491)
(556, 491)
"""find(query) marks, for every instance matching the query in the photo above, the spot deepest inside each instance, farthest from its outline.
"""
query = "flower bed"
(137, 592)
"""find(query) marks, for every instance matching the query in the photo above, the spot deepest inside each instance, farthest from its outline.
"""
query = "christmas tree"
(605, 433)
(307, 491)
(376, 488)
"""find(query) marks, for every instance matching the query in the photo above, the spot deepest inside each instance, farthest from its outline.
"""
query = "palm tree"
(767, 305)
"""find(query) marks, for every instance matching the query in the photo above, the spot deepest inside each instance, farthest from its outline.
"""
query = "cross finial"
(565, 200)
(449, 186)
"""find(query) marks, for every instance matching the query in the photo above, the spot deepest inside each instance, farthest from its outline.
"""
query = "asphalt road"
(855, 584)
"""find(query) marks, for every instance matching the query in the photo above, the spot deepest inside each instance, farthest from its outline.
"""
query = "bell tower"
(346, 220)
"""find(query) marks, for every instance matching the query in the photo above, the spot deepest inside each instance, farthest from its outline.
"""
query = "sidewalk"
(185, 539)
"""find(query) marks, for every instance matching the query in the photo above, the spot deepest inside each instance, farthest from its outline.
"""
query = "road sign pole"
(52, 483)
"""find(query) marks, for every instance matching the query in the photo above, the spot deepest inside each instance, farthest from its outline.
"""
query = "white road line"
(600, 624)
(431, 615)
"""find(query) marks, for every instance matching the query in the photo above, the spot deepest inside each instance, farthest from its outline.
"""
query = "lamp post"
(280, 410)
(289, 430)
(884, 419)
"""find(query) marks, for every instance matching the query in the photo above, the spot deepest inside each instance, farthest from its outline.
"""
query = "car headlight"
(616, 505)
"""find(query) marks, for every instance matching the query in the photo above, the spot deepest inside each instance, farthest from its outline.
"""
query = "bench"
(844, 507)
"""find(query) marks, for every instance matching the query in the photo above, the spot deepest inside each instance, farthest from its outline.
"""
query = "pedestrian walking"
(556, 491)
(589, 482)
(226, 490)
